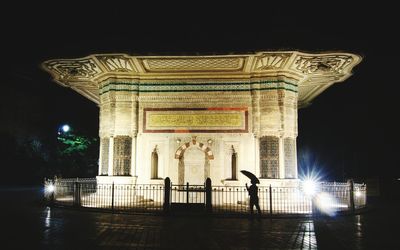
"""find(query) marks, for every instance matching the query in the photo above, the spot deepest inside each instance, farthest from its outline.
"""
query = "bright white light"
(310, 187)
(326, 203)
(50, 188)
(65, 128)
(357, 193)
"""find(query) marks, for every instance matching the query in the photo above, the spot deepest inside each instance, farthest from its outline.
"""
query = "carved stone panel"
(105, 145)
(323, 64)
(115, 63)
(271, 61)
(83, 69)
(193, 64)
(290, 157)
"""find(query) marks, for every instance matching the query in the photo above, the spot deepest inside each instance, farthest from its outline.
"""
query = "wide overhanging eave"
(312, 72)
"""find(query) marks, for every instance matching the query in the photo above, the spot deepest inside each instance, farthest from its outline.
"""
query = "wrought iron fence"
(331, 197)
(193, 194)
(117, 197)
(360, 195)
(272, 200)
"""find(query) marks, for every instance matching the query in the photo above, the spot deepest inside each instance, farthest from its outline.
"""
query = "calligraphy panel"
(185, 120)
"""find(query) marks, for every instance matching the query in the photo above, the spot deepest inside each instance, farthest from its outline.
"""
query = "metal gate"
(189, 198)
(188, 194)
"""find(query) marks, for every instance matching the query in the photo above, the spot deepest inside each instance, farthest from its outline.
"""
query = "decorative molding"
(327, 64)
(193, 64)
(74, 70)
(196, 87)
(270, 61)
(194, 142)
(204, 73)
(117, 63)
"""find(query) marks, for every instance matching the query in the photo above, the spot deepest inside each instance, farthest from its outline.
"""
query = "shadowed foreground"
(26, 224)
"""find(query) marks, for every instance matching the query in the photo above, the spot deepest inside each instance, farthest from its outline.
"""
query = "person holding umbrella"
(253, 192)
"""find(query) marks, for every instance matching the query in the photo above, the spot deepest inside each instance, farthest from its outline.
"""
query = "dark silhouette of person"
(253, 193)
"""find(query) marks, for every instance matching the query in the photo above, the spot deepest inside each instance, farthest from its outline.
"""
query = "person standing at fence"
(253, 193)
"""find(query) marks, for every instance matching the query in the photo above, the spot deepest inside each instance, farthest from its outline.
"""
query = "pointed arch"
(181, 150)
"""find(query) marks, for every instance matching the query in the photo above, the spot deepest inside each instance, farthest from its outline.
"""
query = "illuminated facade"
(193, 117)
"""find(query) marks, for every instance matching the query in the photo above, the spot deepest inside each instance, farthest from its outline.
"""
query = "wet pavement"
(27, 224)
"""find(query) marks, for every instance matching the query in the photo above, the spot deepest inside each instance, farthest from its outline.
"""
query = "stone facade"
(189, 118)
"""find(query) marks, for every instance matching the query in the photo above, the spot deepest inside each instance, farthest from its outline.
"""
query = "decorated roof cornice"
(313, 73)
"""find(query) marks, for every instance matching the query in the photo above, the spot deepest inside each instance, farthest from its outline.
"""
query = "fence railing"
(116, 197)
(187, 194)
(149, 198)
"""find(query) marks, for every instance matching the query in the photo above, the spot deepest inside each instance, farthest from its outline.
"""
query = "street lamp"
(65, 128)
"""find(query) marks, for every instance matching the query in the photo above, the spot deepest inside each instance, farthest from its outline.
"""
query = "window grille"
(290, 157)
(105, 146)
(122, 155)
(269, 157)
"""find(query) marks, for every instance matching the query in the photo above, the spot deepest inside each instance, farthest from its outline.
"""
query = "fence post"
(208, 195)
(52, 195)
(351, 183)
(112, 197)
(167, 195)
(51, 198)
(270, 199)
(187, 192)
(315, 212)
(77, 194)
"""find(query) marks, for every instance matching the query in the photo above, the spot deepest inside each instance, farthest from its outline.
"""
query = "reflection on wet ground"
(29, 225)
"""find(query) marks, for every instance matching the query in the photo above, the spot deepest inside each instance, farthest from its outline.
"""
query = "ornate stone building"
(193, 117)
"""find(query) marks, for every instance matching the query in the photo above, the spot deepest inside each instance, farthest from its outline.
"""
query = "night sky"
(350, 130)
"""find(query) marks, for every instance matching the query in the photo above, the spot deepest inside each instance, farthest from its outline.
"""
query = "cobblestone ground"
(28, 225)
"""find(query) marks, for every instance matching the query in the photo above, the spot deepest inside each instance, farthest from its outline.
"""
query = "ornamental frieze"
(271, 61)
(193, 64)
(323, 64)
(70, 70)
(117, 63)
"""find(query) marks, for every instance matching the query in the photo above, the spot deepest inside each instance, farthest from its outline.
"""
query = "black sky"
(350, 128)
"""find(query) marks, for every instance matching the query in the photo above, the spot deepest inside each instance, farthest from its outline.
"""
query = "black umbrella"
(251, 176)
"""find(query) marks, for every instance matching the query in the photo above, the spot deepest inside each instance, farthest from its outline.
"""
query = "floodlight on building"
(357, 193)
(49, 188)
(310, 187)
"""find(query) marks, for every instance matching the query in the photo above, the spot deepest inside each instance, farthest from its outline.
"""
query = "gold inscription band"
(196, 120)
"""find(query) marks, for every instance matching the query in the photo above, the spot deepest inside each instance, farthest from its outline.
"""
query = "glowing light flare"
(310, 182)
(310, 187)
(357, 193)
(326, 203)
(50, 188)
(65, 128)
